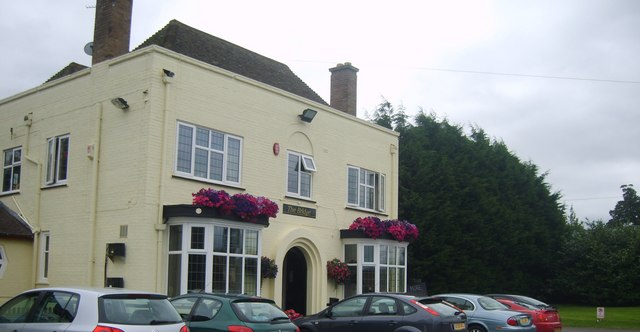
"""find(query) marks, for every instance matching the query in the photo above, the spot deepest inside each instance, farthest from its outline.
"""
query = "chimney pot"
(112, 29)
(344, 86)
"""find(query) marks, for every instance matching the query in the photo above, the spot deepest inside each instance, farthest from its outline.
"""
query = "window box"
(359, 234)
(188, 210)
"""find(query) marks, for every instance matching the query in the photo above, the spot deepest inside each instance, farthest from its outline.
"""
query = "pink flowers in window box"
(374, 228)
(246, 207)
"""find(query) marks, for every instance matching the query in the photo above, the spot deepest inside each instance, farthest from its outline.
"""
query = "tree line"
(490, 222)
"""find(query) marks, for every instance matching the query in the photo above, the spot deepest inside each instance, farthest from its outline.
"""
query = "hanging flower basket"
(246, 207)
(375, 228)
(338, 271)
(268, 268)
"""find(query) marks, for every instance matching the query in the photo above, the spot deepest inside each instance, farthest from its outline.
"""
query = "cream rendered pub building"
(100, 163)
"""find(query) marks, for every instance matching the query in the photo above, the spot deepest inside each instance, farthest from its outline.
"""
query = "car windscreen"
(258, 311)
(490, 304)
(137, 309)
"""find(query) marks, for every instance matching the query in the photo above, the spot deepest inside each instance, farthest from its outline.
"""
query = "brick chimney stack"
(112, 29)
(344, 84)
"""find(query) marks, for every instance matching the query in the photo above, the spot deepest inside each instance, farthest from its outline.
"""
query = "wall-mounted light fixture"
(307, 115)
(120, 103)
(168, 73)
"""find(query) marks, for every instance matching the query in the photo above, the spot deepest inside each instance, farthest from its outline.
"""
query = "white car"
(64, 309)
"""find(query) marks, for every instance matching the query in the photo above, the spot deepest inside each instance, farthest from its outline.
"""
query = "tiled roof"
(11, 225)
(68, 70)
(199, 45)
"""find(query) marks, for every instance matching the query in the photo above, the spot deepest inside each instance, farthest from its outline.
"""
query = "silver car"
(89, 309)
(485, 314)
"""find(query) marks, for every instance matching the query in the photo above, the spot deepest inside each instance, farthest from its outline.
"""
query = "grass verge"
(627, 318)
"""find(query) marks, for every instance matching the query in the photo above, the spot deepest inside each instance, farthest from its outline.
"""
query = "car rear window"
(137, 309)
(443, 309)
(490, 304)
(256, 312)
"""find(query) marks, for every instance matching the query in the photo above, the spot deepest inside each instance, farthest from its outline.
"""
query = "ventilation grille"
(124, 231)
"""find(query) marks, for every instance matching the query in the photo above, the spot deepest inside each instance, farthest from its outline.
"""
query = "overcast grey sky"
(557, 80)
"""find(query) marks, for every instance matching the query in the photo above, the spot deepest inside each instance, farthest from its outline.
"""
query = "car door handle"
(353, 322)
(392, 322)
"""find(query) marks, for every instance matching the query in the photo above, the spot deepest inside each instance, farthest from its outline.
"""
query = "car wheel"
(476, 328)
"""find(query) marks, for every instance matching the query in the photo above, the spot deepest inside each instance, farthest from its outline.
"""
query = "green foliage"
(489, 221)
(600, 265)
(387, 116)
(627, 211)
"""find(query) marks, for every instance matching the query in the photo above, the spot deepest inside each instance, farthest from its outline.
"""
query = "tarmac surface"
(584, 329)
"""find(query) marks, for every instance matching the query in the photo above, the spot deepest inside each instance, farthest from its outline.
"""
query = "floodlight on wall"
(120, 103)
(168, 73)
(307, 115)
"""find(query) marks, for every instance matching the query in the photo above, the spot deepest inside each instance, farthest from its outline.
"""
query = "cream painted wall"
(18, 267)
(122, 162)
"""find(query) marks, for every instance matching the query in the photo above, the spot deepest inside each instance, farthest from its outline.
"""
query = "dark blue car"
(381, 312)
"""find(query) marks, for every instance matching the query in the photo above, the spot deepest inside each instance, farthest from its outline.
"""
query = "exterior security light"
(120, 103)
(307, 115)
(168, 73)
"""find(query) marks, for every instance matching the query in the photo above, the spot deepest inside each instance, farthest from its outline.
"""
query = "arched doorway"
(294, 281)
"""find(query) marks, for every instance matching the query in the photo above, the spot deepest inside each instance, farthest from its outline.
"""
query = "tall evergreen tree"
(488, 221)
(627, 211)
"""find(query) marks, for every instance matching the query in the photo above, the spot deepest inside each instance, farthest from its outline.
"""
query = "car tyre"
(476, 328)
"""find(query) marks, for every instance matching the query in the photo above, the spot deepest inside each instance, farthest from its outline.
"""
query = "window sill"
(226, 185)
(298, 198)
(381, 213)
(55, 185)
(9, 193)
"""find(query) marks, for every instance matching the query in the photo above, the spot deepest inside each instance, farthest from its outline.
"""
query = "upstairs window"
(57, 160)
(208, 154)
(300, 169)
(11, 170)
(365, 189)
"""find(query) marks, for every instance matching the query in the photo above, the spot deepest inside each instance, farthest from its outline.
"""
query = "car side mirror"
(328, 313)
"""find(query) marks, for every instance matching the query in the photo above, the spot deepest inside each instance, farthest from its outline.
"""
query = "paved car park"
(585, 329)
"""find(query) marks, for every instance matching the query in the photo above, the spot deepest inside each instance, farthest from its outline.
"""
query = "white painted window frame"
(306, 166)
(208, 250)
(45, 257)
(357, 197)
(226, 160)
(55, 162)
(12, 164)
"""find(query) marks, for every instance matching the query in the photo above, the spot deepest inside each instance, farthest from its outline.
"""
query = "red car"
(545, 319)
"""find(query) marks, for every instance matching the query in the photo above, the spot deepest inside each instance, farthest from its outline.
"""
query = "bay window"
(375, 266)
(214, 257)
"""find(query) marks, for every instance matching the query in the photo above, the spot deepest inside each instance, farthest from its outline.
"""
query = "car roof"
(226, 296)
(467, 295)
(97, 291)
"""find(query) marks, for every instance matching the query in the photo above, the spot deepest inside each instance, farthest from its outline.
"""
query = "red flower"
(293, 315)
(338, 271)
(373, 227)
(245, 206)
